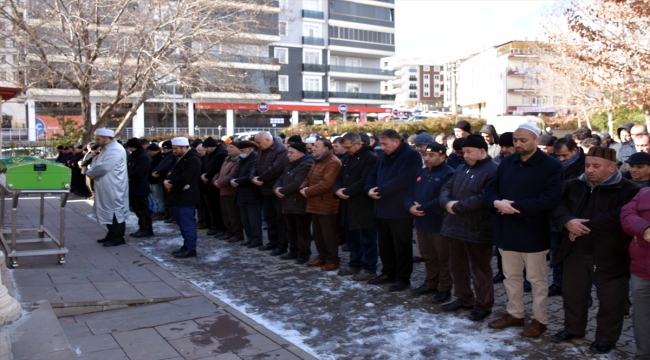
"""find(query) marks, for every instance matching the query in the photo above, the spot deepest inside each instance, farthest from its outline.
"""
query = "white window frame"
(426, 85)
(283, 80)
(286, 52)
(286, 27)
(347, 60)
(334, 60)
(306, 79)
(436, 68)
(349, 85)
(436, 78)
(318, 53)
(426, 94)
(426, 68)
(436, 94)
(334, 86)
(318, 5)
(426, 77)
(310, 25)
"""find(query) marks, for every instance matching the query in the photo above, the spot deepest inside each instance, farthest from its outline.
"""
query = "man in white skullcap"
(109, 171)
(183, 186)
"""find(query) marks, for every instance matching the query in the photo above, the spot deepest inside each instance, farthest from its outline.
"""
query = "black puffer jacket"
(185, 180)
(472, 220)
(289, 182)
(270, 165)
(247, 192)
(139, 164)
(166, 165)
(352, 177)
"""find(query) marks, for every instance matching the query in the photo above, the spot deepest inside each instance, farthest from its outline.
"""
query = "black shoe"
(168, 221)
(417, 259)
(186, 254)
(301, 260)
(455, 305)
(104, 240)
(381, 279)
(441, 296)
(115, 243)
(399, 286)
(135, 233)
(600, 346)
(212, 232)
(278, 252)
(498, 278)
(246, 243)
(554, 290)
(478, 314)
(422, 290)
(252, 246)
(182, 249)
(219, 234)
(289, 256)
(144, 234)
(527, 286)
(267, 247)
(564, 335)
(202, 226)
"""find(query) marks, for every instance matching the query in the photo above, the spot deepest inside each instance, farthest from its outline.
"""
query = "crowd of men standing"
(526, 194)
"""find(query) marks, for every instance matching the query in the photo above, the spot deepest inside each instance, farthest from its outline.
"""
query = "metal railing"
(361, 70)
(314, 67)
(313, 95)
(313, 14)
(356, 95)
(309, 40)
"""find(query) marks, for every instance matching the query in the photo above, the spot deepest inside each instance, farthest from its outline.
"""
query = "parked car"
(401, 118)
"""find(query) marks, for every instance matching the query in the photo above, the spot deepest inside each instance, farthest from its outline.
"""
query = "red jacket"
(635, 219)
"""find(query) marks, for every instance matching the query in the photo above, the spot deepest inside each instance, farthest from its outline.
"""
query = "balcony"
(413, 70)
(313, 95)
(356, 95)
(520, 71)
(522, 90)
(243, 59)
(413, 96)
(312, 14)
(413, 87)
(314, 68)
(413, 78)
(309, 40)
(361, 70)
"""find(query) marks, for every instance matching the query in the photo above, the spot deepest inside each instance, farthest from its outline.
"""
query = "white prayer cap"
(530, 127)
(310, 140)
(104, 132)
(180, 141)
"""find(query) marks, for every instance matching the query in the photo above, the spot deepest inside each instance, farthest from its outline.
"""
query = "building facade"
(419, 83)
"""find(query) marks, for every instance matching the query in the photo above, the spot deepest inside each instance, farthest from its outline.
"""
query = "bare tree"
(608, 44)
(133, 50)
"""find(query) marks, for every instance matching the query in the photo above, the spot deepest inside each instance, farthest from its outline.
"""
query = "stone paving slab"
(157, 348)
(93, 343)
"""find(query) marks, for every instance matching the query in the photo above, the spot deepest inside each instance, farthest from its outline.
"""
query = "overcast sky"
(444, 30)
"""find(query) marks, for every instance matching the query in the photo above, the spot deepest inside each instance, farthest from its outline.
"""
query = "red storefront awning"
(287, 107)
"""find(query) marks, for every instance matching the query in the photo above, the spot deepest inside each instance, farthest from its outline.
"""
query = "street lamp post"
(174, 106)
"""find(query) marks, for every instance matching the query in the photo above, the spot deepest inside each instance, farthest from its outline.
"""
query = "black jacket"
(214, 162)
(294, 174)
(270, 165)
(425, 190)
(139, 164)
(166, 165)
(392, 175)
(247, 192)
(352, 177)
(606, 242)
(155, 161)
(472, 220)
(576, 169)
(185, 180)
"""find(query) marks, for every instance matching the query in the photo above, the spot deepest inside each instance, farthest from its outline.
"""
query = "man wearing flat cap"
(109, 172)
(639, 169)
(594, 249)
(183, 186)
(524, 191)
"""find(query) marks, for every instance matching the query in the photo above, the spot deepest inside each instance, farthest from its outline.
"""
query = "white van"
(510, 123)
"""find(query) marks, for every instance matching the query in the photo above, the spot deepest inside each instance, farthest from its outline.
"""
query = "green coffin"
(30, 173)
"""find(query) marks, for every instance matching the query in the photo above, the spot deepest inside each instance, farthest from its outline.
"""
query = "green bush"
(622, 115)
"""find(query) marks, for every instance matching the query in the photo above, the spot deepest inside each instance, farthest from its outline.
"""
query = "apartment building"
(330, 52)
(419, 83)
(501, 80)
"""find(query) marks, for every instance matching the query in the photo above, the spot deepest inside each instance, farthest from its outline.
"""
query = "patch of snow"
(370, 304)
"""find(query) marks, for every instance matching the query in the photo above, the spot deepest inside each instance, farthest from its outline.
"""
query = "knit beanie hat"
(423, 139)
(505, 139)
(463, 125)
(475, 141)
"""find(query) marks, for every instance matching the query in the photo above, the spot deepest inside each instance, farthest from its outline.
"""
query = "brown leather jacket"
(320, 183)
(222, 179)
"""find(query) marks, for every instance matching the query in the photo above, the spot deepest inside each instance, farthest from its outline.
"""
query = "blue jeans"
(184, 216)
(557, 269)
(251, 218)
(157, 197)
(362, 244)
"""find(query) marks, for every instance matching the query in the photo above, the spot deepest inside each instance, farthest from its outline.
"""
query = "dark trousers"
(499, 260)
(557, 269)
(395, 243)
(213, 204)
(169, 208)
(202, 211)
(90, 184)
(274, 221)
(340, 228)
(469, 263)
(579, 273)
(364, 251)
(140, 206)
(325, 238)
(184, 216)
(251, 217)
(299, 234)
(434, 250)
(231, 216)
(115, 230)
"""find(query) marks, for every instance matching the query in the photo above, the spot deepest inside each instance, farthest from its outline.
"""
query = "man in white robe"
(109, 171)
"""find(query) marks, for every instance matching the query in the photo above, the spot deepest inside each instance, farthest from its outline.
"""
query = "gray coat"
(111, 184)
(472, 221)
